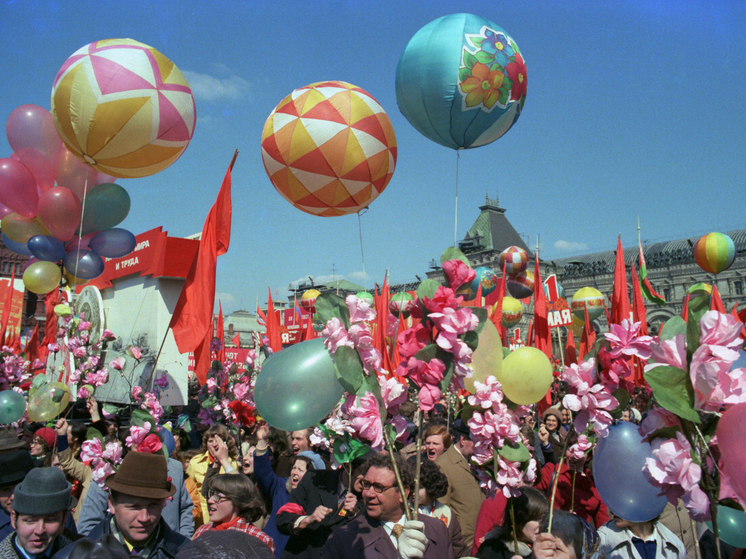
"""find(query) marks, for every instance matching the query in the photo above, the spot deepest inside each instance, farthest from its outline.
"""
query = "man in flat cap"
(14, 465)
(40, 506)
(138, 492)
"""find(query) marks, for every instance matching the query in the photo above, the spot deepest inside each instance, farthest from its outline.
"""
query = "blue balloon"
(731, 526)
(461, 81)
(47, 248)
(83, 264)
(617, 471)
(15, 246)
(12, 406)
(168, 440)
(113, 243)
(297, 387)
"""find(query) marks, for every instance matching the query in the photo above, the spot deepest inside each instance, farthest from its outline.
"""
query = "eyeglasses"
(216, 497)
(377, 487)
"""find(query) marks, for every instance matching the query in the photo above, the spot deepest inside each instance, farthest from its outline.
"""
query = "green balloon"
(297, 386)
(731, 526)
(12, 406)
(106, 206)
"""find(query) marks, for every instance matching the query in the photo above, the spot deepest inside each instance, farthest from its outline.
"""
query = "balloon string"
(362, 254)
(455, 218)
(80, 234)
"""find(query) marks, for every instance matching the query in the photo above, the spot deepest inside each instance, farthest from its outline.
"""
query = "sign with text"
(558, 313)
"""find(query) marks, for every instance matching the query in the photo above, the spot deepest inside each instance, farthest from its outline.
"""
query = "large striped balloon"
(123, 108)
(715, 252)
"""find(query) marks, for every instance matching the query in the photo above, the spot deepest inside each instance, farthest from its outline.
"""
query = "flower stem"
(392, 453)
(554, 486)
(512, 523)
(418, 462)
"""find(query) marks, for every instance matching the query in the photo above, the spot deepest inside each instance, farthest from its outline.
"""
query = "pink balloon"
(32, 127)
(4, 210)
(60, 211)
(732, 445)
(79, 242)
(72, 173)
(42, 168)
(18, 188)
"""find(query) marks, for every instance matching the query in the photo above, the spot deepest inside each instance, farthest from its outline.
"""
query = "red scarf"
(226, 525)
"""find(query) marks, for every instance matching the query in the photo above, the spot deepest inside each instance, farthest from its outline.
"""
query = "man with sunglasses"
(383, 530)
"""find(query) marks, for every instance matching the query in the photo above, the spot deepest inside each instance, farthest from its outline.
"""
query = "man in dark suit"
(383, 531)
(464, 494)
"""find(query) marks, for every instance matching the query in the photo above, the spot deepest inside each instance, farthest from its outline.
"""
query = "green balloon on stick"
(297, 386)
(12, 406)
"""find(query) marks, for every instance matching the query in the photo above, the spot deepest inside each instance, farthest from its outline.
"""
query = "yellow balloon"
(488, 358)
(72, 281)
(20, 229)
(526, 375)
(41, 277)
(48, 402)
(577, 325)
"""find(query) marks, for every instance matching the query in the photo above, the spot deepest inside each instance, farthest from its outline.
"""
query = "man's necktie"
(397, 530)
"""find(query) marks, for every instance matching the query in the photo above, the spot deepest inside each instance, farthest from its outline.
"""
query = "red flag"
(379, 339)
(716, 303)
(620, 295)
(236, 340)
(685, 310)
(16, 344)
(541, 325)
(588, 338)
(7, 307)
(202, 360)
(273, 326)
(497, 310)
(51, 299)
(193, 313)
(741, 317)
(32, 346)
(571, 353)
(309, 333)
(639, 314)
(220, 334)
(530, 335)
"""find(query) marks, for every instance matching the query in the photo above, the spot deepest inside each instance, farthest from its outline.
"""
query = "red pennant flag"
(497, 310)
(588, 338)
(32, 347)
(51, 299)
(220, 334)
(202, 361)
(639, 314)
(309, 333)
(741, 317)
(8, 303)
(379, 339)
(716, 303)
(541, 324)
(620, 295)
(17, 344)
(685, 310)
(193, 313)
(530, 335)
(571, 353)
(273, 326)
(236, 340)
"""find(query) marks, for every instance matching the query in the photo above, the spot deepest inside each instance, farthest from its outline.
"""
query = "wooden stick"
(392, 453)
(556, 481)
(418, 462)
(512, 522)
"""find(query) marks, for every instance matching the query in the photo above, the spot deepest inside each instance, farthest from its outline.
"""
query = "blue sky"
(634, 108)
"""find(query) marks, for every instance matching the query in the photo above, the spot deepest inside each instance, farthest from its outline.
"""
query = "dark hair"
(219, 430)
(241, 492)
(438, 429)
(383, 461)
(307, 460)
(185, 443)
(530, 505)
(78, 432)
(567, 527)
(433, 480)
(407, 409)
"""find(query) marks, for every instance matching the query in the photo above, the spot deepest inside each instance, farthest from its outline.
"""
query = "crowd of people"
(260, 492)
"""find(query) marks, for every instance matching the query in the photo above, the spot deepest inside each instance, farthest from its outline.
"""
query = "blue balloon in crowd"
(113, 243)
(731, 526)
(15, 246)
(84, 264)
(617, 471)
(12, 406)
(168, 440)
(297, 387)
(461, 81)
(47, 248)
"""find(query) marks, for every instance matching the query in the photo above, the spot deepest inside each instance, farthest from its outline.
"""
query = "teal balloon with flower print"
(461, 81)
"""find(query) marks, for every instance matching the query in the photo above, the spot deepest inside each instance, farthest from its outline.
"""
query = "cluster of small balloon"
(44, 192)
(519, 280)
(298, 386)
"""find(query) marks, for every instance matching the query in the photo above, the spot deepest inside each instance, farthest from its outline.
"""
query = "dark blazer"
(364, 537)
(464, 494)
(318, 487)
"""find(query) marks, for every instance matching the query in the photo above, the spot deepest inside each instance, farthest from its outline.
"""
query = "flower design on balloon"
(492, 72)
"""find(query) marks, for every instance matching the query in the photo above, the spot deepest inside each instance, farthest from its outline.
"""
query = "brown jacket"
(464, 494)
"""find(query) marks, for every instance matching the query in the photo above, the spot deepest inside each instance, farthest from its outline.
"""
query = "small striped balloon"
(715, 252)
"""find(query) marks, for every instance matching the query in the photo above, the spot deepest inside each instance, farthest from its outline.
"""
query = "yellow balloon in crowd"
(48, 401)
(526, 375)
(488, 357)
(512, 312)
(590, 298)
(41, 277)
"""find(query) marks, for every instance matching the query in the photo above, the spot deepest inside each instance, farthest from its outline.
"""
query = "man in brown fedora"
(138, 493)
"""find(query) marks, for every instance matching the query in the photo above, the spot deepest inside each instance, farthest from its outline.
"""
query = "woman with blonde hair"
(217, 455)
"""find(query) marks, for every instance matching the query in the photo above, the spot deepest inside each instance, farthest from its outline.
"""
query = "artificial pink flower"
(720, 329)
(592, 401)
(488, 485)
(53, 347)
(360, 310)
(241, 390)
(453, 322)
(134, 351)
(336, 335)
(162, 381)
(102, 470)
(112, 452)
(444, 298)
(457, 273)
(413, 340)
(613, 370)
(107, 336)
(137, 434)
(90, 450)
(578, 450)
(80, 352)
(655, 419)
(152, 405)
(136, 392)
(428, 396)
(97, 378)
(150, 444)
(393, 392)
(492, 430)
(83, 325)
(710, 375)
(509, 476)
(669, 352)
(486, 395)
(75, 376)
(83, 393)
(251, 358)
(365, 419)
(625, 339)
(118, 363)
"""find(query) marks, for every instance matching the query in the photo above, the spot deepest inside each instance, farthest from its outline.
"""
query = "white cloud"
(570, 245)
(359, 277)
(210, 88)
(226, 299)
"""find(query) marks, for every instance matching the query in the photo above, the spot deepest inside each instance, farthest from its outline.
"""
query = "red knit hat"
(49, 436)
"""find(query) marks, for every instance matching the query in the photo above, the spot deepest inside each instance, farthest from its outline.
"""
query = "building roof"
(492, 231)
